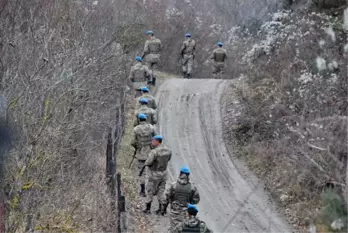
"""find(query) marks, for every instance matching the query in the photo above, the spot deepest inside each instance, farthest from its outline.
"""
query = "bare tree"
(63, 70)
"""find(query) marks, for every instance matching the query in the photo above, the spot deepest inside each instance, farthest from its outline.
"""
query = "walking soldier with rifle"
(143, 134)
(151, 115)
(179, 194)
(156, 172)
(140, 76)
(145, 93)
(151, 54)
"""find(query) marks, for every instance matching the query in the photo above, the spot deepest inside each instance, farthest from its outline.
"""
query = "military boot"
(184, 74)
(148, 208)
(188, 76)
(142, 190)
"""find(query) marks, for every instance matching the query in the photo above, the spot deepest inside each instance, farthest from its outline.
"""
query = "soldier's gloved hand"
(149, 81)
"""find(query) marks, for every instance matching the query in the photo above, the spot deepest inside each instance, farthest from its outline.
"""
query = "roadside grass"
(137, 221)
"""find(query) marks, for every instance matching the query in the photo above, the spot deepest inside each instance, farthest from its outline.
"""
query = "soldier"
(150, 113)
(156, 174)
(192, 223)
(152, 50)
(188, 55)
(139, 75)
(143, 134)
(146, 94)
(219, 57)
(178, 195)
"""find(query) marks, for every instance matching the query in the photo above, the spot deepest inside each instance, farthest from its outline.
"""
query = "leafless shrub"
(63, 72)
(293, 127)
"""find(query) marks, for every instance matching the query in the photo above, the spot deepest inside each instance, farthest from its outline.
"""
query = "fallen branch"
(316, 147)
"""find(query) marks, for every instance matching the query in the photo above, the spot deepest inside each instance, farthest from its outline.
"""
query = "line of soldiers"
(188, 49)
(143, 75)
(152, 158)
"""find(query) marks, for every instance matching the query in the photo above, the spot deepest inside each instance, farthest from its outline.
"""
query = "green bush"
(334, 207)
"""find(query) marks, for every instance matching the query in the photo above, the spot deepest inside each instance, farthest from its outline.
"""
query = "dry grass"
(129, 178)
(138, 222)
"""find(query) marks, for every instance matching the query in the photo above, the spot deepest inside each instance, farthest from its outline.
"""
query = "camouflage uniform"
(219, 57)
(150, 113)
(152, 102)
(142, 139)
(156, 174)
(192, 224)
(187, 52)
(140, 75)
(178, 195)
(152, 50)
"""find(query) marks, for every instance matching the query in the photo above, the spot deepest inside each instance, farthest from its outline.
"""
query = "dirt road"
(190, 121)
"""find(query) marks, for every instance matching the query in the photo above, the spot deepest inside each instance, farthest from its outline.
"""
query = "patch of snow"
(345, 48)
(312, 228)
(333, 78)
(332, 65)
(331, 33)
(338, 224)
(321, 63)
(345, 19)
(305, 78)
(199, 22)
(274, 32)
(284, 197)
(233, 35)
(172, 12)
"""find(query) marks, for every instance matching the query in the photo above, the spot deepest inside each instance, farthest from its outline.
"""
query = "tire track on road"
(190, 121)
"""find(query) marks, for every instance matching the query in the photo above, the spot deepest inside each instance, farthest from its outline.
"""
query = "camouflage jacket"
(188, 47)
(142, 138)
(157, 161)
(188, 193)
(192, 224)
(140, 73)
(152, 102)
(219, 55)
(152, 46)
(150, 113)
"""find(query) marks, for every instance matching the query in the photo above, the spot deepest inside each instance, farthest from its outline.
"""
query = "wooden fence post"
(121, 205)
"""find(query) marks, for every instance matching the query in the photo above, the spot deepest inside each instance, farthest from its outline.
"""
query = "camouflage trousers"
(155, 186)
(152, 61)
(176, 216)
(218, 69)
(187, 63)
(141, 178)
